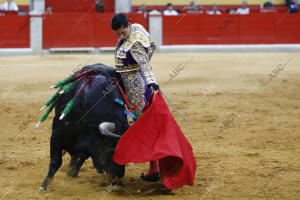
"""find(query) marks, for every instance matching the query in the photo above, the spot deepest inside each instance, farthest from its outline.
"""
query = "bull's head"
(103, 156)
(107, 129)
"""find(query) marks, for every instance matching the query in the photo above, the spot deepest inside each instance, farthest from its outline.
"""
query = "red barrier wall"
(264, 28)
(14, 31)
(93, 29)
(109, 5)
(82, 29)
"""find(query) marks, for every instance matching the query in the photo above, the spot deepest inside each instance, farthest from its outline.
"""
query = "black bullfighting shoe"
(150, 178)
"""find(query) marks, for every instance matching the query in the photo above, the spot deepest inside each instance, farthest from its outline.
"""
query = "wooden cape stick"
(173, 106)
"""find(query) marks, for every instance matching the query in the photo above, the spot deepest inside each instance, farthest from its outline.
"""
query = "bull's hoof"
(43, 188)
(117, 185)
(150, 178)
(100, 171)
(72, 173)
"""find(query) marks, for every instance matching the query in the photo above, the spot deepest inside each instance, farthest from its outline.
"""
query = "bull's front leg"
(55, 161)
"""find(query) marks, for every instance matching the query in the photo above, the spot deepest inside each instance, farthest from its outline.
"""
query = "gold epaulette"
(137, 36)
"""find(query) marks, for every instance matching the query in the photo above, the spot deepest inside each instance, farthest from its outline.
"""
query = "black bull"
(78, 133)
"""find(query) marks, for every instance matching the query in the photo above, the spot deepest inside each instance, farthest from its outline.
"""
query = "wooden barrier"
(14, 31)
(82, 29)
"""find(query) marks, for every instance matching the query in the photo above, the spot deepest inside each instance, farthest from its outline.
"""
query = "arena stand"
(223, 8)
(77, 27)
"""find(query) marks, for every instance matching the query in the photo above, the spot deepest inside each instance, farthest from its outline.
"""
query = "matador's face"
(123, 32)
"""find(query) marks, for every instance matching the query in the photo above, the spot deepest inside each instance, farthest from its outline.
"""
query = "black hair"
(118, 21)
(169, 4)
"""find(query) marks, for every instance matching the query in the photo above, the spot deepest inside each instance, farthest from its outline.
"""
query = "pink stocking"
(153, 168)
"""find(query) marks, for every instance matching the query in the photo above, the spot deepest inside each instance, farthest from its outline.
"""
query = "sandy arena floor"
(243, 112)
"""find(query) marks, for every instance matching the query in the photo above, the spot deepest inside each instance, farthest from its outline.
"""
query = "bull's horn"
(107, 128)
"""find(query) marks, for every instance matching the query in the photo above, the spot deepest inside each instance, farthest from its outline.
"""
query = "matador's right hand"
(153, 86)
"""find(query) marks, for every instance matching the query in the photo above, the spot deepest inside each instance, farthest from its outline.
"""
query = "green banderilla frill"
(67, 108)
(67, 88)
(51, 100)
(64, 82)
(49, 110)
